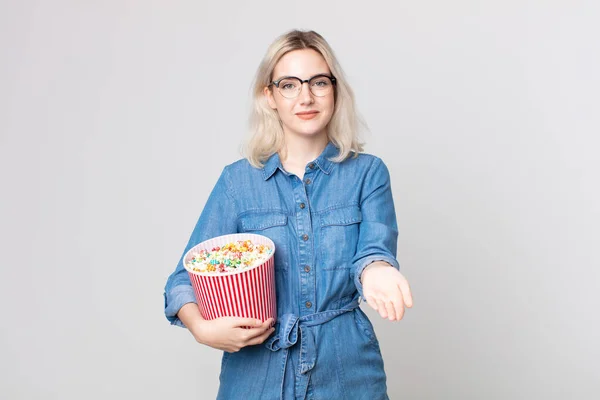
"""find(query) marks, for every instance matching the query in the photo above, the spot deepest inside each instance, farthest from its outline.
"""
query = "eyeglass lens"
(319, 86)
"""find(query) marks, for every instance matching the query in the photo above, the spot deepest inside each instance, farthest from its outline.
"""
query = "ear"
(269, 95)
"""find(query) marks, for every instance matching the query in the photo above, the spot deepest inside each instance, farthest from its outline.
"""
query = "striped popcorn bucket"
(249, 293)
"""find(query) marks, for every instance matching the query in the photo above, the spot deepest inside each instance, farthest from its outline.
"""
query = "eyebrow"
(292, 76)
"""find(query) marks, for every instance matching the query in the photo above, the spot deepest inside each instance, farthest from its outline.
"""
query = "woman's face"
(306, 115)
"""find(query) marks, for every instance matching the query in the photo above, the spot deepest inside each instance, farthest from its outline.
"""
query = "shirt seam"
(370, 173)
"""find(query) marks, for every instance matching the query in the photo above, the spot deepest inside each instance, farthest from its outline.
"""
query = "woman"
(329, 210)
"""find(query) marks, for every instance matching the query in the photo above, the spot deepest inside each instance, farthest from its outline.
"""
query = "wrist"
(190, 316)
(372, 265)
(198, 330)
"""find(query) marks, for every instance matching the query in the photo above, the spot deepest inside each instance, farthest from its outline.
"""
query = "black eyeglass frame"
(330, 77)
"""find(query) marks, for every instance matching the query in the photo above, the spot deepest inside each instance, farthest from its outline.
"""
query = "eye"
(288, 84)
(321, 82)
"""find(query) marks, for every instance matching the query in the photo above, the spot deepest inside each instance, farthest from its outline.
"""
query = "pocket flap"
(341, 216)
(260, 221)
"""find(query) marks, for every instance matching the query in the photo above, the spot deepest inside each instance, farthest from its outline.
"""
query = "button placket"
(305, 245)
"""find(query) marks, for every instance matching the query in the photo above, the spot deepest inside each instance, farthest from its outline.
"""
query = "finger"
(381, 308)
(241, 322)
(399, 306)
(371, 301)
(263, 326)
(406, 293)
(391, 312)
(251, 333)
(260, 339)
(267, 323)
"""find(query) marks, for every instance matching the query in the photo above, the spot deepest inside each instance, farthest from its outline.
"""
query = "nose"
(305, 96)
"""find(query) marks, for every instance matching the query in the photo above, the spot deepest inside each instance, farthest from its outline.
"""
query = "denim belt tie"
(286, 336)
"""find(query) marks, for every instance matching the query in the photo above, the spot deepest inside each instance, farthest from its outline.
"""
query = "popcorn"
(233, 256)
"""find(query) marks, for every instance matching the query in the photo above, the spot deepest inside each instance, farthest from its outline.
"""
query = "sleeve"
(378, 232)
(219, 217)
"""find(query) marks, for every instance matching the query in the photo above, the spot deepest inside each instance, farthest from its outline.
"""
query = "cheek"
(288, 118)
(284, 107)
(285, 113)
(329, 106)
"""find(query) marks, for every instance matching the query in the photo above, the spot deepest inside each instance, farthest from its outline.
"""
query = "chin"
(310, 129)
(310, 132)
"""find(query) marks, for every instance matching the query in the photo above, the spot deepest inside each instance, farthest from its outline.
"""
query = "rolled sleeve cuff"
(175, 299)
(363, 263)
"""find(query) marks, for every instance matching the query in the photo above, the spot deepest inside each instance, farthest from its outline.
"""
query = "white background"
(116, 118)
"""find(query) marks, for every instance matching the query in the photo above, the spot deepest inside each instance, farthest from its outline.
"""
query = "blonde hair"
(265, 126)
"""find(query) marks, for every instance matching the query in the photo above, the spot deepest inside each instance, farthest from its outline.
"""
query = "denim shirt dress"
(326, 228)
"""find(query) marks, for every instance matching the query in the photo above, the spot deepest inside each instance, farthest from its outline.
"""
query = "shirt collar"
(323, 162)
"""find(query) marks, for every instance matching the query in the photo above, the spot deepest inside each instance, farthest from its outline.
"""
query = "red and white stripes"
(248, 293)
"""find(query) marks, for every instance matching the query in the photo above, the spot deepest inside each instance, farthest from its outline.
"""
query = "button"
(311, 165)
(305, 237)
(302, 205)
(306, 268)
(308, 304)
(307, 181)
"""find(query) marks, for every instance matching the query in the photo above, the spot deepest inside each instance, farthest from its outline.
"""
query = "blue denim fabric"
(324, 346)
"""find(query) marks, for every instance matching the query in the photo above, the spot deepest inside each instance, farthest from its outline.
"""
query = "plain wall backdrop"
(117, 117)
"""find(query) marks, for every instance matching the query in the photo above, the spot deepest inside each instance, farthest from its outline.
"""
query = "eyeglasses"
(291, 86)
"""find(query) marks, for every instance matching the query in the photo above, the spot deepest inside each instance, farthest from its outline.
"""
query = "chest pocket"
(272, 225)
(339, 236)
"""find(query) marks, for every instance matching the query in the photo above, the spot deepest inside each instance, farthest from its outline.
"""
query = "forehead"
(301, 63)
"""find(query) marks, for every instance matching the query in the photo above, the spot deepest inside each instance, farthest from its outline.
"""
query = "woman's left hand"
(386, 290)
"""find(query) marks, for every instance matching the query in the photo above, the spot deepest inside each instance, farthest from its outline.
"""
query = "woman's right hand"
(228, 334)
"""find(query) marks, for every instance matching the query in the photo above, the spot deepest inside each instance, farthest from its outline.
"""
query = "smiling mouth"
(309, 115)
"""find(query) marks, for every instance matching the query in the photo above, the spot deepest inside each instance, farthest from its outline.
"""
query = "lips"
(305, 115)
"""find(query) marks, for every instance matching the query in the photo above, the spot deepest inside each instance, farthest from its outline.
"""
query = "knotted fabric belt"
(286, 336)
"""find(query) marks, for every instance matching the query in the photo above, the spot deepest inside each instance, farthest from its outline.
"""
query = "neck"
(301, 150)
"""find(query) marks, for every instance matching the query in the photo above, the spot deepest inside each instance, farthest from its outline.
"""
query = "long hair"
(265, 127)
